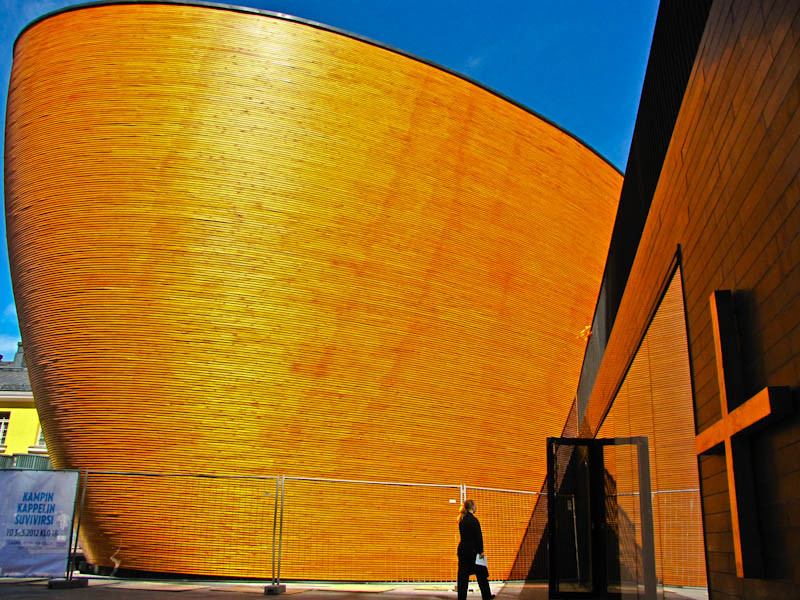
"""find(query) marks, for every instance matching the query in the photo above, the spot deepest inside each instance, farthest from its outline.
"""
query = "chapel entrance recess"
(590, 553)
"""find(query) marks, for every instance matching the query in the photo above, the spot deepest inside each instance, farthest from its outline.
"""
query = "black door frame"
(597, 512)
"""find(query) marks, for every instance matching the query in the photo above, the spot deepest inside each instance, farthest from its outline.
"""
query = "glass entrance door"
(570, 504)
(589, 555)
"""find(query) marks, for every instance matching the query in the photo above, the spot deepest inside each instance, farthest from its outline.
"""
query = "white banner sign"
(35, 518)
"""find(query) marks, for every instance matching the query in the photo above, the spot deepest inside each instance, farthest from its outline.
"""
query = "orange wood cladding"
(729, 194)
(243, 244)
(655, 400)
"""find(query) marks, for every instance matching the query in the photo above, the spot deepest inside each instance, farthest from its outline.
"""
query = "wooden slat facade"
(244, 244)
(655, 400)
(729, 196)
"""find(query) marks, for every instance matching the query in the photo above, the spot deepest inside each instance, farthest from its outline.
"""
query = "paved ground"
(115, 589)
(120, 589)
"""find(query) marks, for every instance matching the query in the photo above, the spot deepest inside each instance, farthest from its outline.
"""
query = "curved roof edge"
(355, 36)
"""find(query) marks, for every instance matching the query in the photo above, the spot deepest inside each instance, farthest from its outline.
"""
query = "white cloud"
(30, 9)
(8, 346)
(10, 313)
(474, 62)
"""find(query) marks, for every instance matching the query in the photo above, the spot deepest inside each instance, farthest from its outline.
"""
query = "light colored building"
(21, 440)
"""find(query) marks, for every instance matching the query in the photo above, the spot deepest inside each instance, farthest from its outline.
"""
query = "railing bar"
(331, 480)
(653, 493)
(261, 477)
(436, 485)
(488, 489)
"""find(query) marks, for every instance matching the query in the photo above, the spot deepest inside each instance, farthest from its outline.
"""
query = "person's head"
(467, 507)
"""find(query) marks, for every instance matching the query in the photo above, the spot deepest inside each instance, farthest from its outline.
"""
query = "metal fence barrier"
(304, 528)
(171, 523)
(276, 527)
(368, 530)
(679, 547)
(505, 517)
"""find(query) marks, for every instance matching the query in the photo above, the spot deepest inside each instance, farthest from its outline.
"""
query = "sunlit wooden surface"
(242, 244)
(655, 400)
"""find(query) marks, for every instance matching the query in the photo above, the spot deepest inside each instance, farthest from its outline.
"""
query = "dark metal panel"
(676, 38)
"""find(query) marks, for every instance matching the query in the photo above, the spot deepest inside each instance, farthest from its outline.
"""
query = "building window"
(5, 417)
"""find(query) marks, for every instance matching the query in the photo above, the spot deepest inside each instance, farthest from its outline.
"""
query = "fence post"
(276, 587)
(280, 530)
(73, 552)
(274, 529)
(68, 582)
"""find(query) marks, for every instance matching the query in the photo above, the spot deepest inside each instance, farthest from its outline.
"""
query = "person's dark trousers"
(466, 567)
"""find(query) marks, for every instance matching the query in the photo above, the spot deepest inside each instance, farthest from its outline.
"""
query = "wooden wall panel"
(243, 244)
(655, 400)
(728, 194)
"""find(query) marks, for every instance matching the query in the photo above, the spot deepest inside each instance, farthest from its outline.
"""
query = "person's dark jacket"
(471, 542)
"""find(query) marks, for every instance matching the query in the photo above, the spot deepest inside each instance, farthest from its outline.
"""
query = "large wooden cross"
(738, 419)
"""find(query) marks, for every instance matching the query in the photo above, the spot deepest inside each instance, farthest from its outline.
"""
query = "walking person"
(470, 548)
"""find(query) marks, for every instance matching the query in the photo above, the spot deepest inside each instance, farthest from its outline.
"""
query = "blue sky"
(579, 63)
